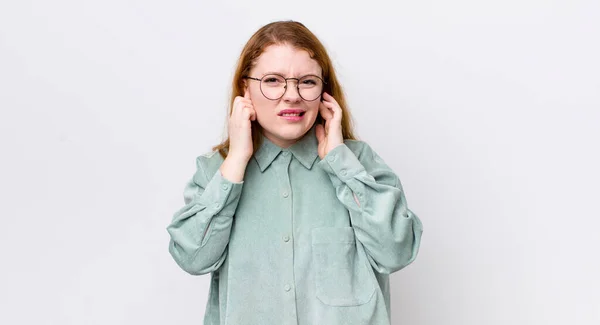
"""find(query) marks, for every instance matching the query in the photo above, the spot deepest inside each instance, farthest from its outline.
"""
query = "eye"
(309, 81)
(273, 80)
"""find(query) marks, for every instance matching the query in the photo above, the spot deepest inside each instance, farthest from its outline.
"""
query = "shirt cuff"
(342, 163)
(221, 195)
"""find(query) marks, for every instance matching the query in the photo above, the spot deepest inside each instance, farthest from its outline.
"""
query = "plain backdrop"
(489, 112)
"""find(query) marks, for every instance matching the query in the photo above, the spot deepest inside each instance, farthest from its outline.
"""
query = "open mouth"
(292, 114)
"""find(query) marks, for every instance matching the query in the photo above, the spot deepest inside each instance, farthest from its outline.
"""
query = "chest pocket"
(342, 272)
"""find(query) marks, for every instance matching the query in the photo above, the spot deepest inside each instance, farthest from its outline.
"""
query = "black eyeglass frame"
(286, 83)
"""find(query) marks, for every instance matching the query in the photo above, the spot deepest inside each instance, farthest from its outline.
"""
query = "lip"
(292, 111)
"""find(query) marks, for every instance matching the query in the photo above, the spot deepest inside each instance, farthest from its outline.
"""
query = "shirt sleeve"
(200, 230)
(373, 195)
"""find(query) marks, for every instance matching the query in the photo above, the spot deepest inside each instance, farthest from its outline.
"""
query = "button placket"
(284, 168)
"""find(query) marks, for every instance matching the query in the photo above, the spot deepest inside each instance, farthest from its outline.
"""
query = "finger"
(325, 112)
(240, 102)
(334, 108)
(245, 101)
(248, 113)
(237, 102)
(329, 98)
(332, 112)
(252, 113)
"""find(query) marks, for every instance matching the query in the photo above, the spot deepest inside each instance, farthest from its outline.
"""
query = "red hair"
(298, 36)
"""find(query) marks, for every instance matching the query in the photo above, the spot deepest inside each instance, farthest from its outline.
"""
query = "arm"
(200, 230)
(373, 195)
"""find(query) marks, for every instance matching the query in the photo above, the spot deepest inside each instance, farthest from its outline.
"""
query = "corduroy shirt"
(300, 241)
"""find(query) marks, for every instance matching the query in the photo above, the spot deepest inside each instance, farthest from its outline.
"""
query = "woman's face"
(279, 118)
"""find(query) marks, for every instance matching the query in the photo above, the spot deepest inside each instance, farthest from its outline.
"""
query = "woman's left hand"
(330, 135)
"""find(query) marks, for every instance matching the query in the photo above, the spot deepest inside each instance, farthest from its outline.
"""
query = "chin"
(289, 132)
(292, 132)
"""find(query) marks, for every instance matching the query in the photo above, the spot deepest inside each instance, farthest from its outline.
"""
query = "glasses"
(273, 86)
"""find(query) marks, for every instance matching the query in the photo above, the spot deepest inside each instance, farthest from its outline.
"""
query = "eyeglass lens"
(274, 86)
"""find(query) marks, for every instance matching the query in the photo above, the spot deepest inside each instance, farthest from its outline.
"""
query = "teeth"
(290, 114)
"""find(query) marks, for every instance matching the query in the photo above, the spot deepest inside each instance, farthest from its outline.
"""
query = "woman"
(296, 220)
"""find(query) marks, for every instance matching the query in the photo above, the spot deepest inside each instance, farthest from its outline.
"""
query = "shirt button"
(285, 194)
(217, 206)
(343, 172)
(287, 287)
(286, 238)
(331, 158)
(286, 153)
(225, 187)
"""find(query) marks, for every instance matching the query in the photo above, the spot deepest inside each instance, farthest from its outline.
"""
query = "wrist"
(237, 160)
(233, 169)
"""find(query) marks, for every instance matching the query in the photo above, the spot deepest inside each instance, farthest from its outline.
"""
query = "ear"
(244, 86)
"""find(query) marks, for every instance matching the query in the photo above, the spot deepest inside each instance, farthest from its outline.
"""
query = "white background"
(489, 111)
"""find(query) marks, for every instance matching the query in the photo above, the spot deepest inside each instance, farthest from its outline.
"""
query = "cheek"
(256, 97)
(255, 94)
(312, 111)
(314, 107)
(263, 106)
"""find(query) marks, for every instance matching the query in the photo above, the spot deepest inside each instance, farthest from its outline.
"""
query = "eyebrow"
(283, 74)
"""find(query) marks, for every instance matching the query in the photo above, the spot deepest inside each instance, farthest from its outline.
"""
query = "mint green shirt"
(301, 240)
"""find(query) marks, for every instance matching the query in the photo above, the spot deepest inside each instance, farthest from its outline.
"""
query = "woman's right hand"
(240, 138)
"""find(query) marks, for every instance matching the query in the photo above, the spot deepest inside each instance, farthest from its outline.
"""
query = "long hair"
(298, 36)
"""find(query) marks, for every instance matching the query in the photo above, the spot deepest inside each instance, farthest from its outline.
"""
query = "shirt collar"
(304, 150)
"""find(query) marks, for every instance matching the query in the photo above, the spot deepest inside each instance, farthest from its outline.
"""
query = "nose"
(291, 93)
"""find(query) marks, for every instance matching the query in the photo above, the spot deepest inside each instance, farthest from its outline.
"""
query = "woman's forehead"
(286, 60)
